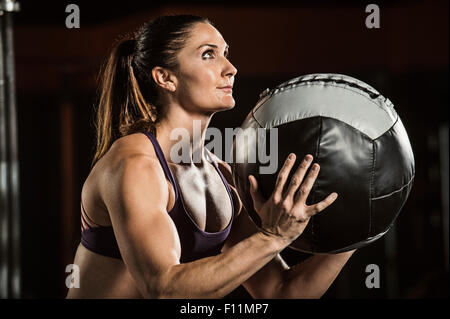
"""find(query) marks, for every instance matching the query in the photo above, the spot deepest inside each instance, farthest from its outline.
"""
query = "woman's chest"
(204, 196)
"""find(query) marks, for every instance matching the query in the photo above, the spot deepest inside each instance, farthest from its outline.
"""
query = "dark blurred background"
(406, 59)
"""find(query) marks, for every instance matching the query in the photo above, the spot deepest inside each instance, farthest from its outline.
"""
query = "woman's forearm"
(217, 276)
(313, 277)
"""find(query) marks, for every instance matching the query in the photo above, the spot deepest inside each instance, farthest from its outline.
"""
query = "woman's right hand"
(285, 214)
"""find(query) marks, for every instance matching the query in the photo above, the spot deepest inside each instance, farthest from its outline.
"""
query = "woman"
(150, 226)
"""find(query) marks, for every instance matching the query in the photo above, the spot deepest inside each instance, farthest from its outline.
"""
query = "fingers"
(307, 185)
(283, 175)
(298, 176)
(320, 206)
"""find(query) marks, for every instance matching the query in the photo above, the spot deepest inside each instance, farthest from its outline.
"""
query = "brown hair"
(128, 96)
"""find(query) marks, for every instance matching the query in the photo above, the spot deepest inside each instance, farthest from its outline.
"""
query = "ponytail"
(122, 109)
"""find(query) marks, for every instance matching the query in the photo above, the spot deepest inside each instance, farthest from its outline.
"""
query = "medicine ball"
(357, 138)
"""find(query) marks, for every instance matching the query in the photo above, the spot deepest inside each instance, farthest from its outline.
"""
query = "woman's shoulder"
(127, 154)
(129, 166)
(130, 161)
(133, 152)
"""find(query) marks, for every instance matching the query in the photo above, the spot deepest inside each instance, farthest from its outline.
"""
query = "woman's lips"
(227, 89)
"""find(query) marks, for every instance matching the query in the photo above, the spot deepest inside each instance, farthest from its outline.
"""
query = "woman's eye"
(208, 54)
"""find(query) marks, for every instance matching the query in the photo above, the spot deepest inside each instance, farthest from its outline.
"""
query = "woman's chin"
(230, 104)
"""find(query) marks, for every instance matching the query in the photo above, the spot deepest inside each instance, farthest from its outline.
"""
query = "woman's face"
(205, 76)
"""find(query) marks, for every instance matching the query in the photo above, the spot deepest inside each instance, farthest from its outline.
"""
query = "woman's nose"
(229, 69)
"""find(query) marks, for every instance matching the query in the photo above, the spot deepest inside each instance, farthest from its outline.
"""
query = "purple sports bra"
(195, 243)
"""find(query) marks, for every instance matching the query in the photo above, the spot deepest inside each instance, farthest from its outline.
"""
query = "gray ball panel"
(332, 97)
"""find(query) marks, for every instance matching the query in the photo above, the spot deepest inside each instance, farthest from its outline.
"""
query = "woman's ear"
(164, 78)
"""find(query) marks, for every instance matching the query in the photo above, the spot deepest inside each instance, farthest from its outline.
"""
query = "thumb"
(256, 195)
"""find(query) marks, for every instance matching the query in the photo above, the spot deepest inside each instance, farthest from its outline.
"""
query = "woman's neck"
(182, 139)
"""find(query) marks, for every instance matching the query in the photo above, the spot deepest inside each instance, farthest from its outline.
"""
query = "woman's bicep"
(136, 199)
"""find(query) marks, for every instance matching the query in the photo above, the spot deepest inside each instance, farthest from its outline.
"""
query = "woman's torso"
(202, 191)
